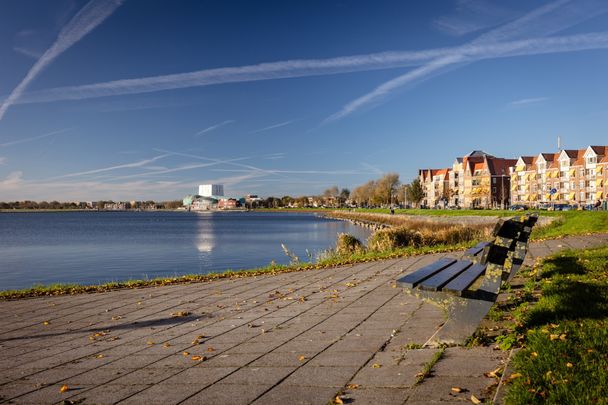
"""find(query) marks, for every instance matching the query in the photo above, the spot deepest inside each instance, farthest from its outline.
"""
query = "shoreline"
(337, 261)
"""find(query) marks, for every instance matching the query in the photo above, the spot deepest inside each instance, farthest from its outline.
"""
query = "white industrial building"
(211, 190)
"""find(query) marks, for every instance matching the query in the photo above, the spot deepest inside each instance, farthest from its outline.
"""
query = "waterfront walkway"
(291, 338)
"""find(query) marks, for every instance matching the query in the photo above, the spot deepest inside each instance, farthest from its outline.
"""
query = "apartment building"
(477, 180)
(435, 184)
(571, 176)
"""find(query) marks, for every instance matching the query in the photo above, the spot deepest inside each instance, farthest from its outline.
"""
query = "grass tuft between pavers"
(564, 359)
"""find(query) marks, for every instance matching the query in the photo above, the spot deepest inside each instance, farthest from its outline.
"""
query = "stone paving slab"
(300, 337)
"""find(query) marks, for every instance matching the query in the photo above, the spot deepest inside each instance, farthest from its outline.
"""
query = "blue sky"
(142, 99)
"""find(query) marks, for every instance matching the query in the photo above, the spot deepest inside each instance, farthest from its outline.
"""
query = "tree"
(344, 195)
(385, 188)
(415, 193)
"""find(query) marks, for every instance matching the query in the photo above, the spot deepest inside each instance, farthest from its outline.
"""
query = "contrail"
(33, 138)
(212, 127)
(89, 17)
(318, 67)
(279, 125)
(563, 13)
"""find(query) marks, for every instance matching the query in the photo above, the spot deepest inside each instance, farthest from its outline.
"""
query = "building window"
(591, 160)
(494, 190)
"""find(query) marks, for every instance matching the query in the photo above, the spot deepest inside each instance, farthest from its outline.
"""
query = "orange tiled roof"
(529, 160)
(549, 157)
(580, 157)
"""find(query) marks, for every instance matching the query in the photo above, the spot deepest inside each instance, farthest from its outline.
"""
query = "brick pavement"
(290, 338)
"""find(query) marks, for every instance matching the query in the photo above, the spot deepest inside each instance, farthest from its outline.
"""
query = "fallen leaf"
(64, 388)
(569, 365)
(210, 349)
(100, 356)
(376, 365)
(45, 322)
(494, 373)
(186, 353)
(456, 389)
(302, 358)
(352, 386)
(180, 314)
(149, 343)
(166, 344)
(534, 354)
(553, 337)
(562, 337)
(199, 358)
(338, 400)
(475, 400)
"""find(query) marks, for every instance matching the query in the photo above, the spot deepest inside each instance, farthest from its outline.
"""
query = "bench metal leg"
(464, 316)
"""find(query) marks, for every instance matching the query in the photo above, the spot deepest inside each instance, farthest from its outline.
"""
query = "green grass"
(573, 223)
(428, 367)
(568, 223)
(565, 333)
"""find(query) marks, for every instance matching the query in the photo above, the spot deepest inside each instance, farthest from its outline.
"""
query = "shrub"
(394, 238)
(347, 244)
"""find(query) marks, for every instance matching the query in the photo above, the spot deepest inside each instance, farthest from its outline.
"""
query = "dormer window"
(542, 166)
(564, 163)
(591, 160)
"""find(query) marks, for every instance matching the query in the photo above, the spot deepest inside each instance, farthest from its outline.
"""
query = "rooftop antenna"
(559, 143)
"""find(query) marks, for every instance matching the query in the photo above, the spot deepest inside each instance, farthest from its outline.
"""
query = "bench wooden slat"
(465, 279)
(477, 249)
(415, 278)
(437, 281)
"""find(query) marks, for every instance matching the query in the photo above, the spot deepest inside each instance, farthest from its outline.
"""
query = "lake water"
(98, 247)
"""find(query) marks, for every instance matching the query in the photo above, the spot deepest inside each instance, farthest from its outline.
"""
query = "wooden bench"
(468, 287)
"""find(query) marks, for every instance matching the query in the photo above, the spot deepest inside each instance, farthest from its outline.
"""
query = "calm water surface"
(97, 247)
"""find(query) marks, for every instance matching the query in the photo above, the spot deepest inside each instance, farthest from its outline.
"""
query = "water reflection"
(205, 237)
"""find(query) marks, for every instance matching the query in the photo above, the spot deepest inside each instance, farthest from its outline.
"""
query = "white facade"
(211, 190)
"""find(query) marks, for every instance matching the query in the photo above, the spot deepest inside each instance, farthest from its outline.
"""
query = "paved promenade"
(291, 338)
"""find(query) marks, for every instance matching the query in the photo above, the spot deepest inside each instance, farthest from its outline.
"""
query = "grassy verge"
(573, 223)
(331, 261)
(560, 319)
(568, 223)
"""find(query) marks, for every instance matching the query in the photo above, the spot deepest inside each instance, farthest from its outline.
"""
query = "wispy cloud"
(317, 67)
(526, 101)
(279, 125)
(213, 127)
(471, 16)
(33, 138)
(2, 160)
(12, 180)
(89, 17)
(546, 20)
(139, 163)
(27, 52)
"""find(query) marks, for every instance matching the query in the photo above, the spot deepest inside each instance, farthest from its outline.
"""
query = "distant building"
(211, 190)
(577, 176)
(477, 180)
(227, 204)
